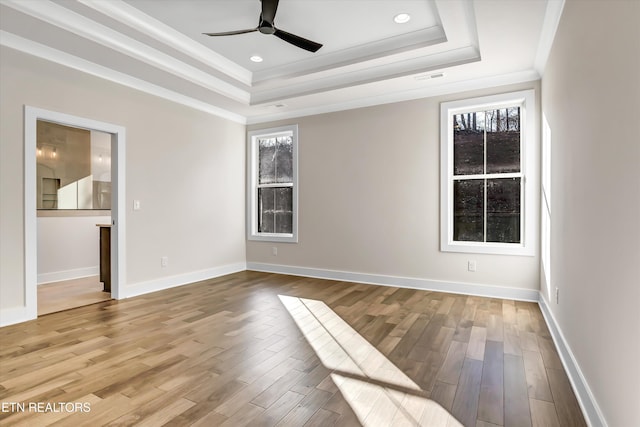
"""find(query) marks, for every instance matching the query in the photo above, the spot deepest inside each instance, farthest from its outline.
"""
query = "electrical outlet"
(557, 295)
(471, 265)
(164, 261)
(136, 205)
(274, 251)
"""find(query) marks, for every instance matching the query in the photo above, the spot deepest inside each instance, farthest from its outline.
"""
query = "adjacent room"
(73, 187)
(299, 213)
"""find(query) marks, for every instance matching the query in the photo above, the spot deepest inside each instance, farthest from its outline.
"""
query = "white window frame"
(528, 148)
(252, 184)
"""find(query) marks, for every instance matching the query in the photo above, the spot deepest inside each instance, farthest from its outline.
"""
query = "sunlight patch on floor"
(378, 392)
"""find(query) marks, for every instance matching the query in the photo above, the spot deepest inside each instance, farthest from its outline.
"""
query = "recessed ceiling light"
(401, 18)
(256, 58)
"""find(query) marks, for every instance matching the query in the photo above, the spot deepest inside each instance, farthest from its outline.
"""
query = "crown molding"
(349, 67)
(45, 52)
(408, 95)
(68, 20)
(547, 35)
(392, 70)
(354, 55)
(145, 24)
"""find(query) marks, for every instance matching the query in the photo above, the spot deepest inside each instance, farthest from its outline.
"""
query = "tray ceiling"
(366, 58)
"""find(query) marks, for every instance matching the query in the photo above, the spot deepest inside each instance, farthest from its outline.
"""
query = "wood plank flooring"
(59, 296)
(265, 349)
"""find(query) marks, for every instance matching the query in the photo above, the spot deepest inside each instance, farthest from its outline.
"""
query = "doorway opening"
(73, 200)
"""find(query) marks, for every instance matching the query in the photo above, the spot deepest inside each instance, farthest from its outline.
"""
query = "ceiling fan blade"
(269, 8)
(231, 33)
(297, 41)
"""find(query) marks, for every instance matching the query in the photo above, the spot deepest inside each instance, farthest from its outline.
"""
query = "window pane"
(503, 140)
(284, 159)
(266, 161)
(503, 210)
(468, 143)
(266, 210)
(468, 201)
(284, 210)
(275, 210)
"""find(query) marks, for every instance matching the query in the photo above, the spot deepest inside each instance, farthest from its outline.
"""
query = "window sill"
(488, 248)
(273, 237)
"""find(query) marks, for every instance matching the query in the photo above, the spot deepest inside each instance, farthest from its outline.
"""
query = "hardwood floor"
(59, 296)
(264, 349)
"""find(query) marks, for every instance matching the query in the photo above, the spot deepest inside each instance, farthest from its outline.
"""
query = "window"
(487, 174)
(272, 184)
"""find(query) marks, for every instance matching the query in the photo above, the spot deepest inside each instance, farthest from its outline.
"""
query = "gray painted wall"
(369, 198)
(186, 167)
(591, 98)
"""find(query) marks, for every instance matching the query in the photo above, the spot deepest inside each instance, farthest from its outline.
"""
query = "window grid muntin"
(253, 178)
(486, 176)
(277, 139)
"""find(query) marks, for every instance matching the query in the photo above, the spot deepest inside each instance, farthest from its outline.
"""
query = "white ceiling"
(157, 46)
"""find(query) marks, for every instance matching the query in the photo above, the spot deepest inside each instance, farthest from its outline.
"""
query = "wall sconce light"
(100, 158)
(39, 152)
(54, 153)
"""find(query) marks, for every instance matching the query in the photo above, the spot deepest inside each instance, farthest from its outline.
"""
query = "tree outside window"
(272, 184)
(488, 147)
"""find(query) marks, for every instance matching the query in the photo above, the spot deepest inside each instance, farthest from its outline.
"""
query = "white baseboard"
(58, 276)
(134, 289)
(402, 282)
(11, 316)
(590, 409)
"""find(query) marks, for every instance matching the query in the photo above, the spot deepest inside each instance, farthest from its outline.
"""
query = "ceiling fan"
(265, 26)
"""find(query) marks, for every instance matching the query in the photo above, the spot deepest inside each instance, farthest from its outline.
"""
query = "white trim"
(141, 22)
(372, 74)
(354, 55)
(68, 20)
(529, 146)
(252, 187)
(118, 208)
(57, 56)
(399, 96)
(31, 115)
(590, 409)
(118, 212)
(13, 315)
(76, 273)
(50, 54)
(548, 33)
(155, 285)
(483, 290)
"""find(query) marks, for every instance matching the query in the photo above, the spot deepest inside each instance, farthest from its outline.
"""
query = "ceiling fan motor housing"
(266, 27)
